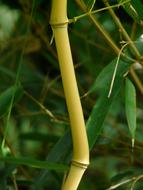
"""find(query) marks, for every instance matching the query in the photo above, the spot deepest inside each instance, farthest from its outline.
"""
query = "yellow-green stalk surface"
(59, 23)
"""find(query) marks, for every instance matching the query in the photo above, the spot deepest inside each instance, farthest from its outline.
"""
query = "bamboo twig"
(105, 34)
(91, 12)
(100, 28)
(110, 41)
(59, 23)
(125, 34)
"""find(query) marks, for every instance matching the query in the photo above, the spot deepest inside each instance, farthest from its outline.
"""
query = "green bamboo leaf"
(5, 98)
(130, 107)
(102, 106)
(34, 163)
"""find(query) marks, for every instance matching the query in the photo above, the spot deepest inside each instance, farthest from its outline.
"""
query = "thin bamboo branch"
(91, 12)
(135, 181)
(48, 112)
(100, 28)
(59, 23)
(105, 34)
(110, 42)
(125, 34)
(133, 30)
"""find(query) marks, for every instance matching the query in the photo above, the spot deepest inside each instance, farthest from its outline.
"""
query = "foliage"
(36, 144)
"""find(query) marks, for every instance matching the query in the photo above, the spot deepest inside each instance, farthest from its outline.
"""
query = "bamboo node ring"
(59, 25)
(79, 164)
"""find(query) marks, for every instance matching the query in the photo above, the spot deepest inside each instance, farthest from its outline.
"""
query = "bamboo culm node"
(80, 161)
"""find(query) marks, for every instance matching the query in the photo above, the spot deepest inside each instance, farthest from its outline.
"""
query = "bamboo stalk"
(59, 23)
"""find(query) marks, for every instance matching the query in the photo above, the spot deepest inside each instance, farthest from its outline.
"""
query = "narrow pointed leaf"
(130, 106)
(102, 106)
(34, 163)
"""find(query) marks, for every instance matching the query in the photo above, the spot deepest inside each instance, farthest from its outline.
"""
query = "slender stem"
(59, 23)
(100, 28)
(125, 34)
(103, 31)
(14, 182)
(135, 181)
(119, 184)
(92, 6)
(91, 12)
(133, 30)
(109, 40)
(48, 112)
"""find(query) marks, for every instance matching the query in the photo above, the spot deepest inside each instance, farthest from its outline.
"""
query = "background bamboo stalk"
(59, 23)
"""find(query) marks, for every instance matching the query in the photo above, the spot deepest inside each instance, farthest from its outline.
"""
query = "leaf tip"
(133, 144)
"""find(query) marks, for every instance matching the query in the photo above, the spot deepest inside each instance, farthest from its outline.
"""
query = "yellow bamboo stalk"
(59, 23)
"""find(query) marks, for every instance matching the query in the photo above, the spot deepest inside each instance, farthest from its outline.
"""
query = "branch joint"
(59, 24)
(79, 164)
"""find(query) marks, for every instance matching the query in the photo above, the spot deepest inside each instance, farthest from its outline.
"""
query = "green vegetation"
(106, 39)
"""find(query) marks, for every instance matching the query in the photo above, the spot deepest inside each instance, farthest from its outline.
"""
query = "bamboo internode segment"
(73, 179)
(59, 12)
(80, 145)
(59, 23)
(79, 164)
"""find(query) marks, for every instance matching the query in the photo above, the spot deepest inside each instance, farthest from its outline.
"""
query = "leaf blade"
(130, 106)
(34, 163)
(102, 106)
